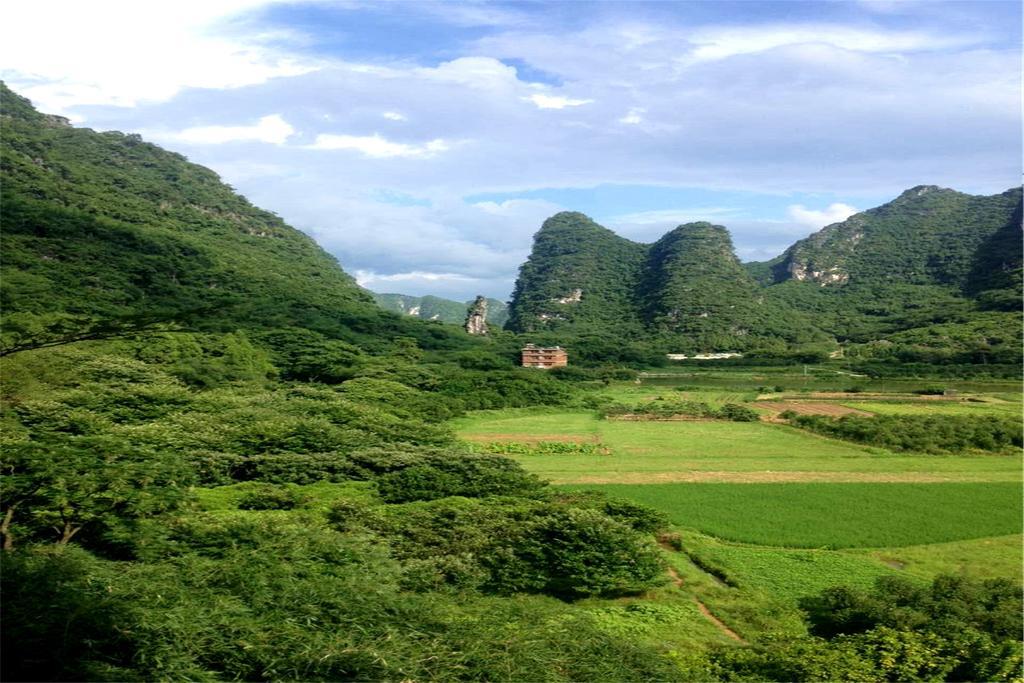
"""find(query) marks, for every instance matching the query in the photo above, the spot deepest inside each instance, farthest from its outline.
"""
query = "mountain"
(435, 308)
(926, 236)
(105, 233)
(580, 276)
(687, 290)
(931, 256)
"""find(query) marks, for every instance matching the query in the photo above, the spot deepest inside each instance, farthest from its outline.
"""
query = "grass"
(835, 515)
(784, 572)
(999, 556)
(935, 408)
(715, 450)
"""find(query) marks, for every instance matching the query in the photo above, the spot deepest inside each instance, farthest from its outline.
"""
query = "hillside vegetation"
(930, 257)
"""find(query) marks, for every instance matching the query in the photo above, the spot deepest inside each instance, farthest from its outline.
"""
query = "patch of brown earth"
(809, 408)
(716, 621)
(532, 438)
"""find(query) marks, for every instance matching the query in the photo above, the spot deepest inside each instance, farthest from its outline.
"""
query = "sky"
(424, 143)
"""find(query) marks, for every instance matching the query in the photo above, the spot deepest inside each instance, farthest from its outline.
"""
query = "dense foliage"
(931, 257)
(956, 629)
(936, 434)
(663, 409)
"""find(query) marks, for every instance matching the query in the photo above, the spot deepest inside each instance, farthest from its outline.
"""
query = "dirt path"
(716, 621)
(809, 408)
(719, 624)
(531, 438)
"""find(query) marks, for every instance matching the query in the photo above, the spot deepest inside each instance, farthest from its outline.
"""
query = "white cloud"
(475, 72)
(634, 117)
(365, 277)
(377, 147)
(122, 52)
(834, 213)
(271, 129)
(555, 101)
(393, 116)
(720, 43)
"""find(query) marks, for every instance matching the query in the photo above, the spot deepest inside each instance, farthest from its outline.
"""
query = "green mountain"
(687, 291)
(105, 233)
(435, 308)
(931, 256)
(580, 277)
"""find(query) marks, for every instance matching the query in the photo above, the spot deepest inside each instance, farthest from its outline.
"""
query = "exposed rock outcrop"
(476, 318)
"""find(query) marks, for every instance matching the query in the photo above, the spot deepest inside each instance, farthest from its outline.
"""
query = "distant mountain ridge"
(927, 257)
(436, 308)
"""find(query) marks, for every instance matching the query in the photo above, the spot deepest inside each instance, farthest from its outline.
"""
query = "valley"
(224, 460)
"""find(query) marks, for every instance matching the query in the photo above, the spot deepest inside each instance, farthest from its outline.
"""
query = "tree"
(57, 486)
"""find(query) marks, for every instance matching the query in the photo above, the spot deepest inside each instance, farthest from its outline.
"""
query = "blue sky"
(423, 143)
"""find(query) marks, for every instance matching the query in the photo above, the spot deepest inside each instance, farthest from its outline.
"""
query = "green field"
(779, 512)
(835, 515)
(652, 452)
(936, 407)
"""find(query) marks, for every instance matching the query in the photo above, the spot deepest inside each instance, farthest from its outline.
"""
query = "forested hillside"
(105, 233)
(930, 257)
(222, 462)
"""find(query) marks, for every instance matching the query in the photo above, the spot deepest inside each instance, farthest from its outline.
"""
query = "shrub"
(439, 476)
(273, 497)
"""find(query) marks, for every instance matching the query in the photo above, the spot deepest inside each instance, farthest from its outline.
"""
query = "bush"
(937, 434)
(457, 475)
(273, 497)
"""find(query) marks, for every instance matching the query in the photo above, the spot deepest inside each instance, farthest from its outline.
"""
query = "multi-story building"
(544, 357)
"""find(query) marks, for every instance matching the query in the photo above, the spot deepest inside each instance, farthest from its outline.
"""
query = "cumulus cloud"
(271, 129)
(833, 213)
(377, 147)
(555, 101)
(811, 113)
(68, 53)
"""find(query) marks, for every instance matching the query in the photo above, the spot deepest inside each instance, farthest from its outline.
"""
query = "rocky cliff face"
(476, 318)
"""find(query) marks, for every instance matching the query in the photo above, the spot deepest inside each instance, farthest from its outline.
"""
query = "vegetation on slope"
(436, 308)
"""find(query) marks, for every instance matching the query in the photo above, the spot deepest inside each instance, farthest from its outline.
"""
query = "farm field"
(766, 513)
(835, 515)
(659, 452)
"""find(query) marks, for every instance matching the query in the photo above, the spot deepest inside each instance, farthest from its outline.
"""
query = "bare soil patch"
(531, 438)
(716, 621)
(875, 396)
(809, 408)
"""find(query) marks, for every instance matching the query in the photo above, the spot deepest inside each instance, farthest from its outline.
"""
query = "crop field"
(936, 407)
(835, 515)
(780, 513)
(658, 452)
(784, 572)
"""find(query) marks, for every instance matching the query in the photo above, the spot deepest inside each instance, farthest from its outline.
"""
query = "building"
(544, 357)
